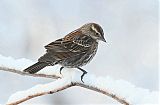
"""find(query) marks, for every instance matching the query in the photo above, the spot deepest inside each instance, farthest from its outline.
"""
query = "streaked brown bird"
(73, 51)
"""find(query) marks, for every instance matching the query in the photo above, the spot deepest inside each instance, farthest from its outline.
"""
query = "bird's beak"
(103, 39)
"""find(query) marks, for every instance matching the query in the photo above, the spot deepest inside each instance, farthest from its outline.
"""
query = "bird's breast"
(80, 59)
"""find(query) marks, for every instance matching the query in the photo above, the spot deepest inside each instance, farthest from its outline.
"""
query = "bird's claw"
(84, 72)
(61, 70)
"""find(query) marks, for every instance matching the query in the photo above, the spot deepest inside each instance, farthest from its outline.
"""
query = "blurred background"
(130, 27)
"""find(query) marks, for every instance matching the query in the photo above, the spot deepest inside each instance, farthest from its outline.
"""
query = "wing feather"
(71, 45)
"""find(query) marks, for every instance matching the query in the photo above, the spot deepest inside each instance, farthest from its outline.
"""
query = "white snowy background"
(131, 30)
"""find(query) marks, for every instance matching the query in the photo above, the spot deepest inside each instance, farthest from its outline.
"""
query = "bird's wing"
(70, 46)
(56, 46)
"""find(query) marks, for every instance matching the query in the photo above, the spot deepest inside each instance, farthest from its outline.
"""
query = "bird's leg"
(84, 72)
(61, 70)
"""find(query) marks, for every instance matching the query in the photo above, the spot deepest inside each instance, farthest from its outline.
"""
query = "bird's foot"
(61, 70)
(84, 72)
(83, 76)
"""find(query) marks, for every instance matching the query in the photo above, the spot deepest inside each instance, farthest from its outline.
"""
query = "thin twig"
(105, 92)
(27, 74)
(40, 94)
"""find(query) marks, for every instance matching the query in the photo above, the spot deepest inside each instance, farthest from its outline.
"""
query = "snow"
(122, 88)
(39, 89)
(21, 64)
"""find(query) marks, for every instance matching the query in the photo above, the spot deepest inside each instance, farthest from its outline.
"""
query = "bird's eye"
(97, 33)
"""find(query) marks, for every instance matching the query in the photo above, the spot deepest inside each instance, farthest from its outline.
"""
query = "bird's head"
(93, 30)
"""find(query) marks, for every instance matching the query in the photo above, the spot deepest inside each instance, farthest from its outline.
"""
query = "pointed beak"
(103, 39)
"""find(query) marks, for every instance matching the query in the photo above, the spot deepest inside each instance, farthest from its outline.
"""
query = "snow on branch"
(17, 66)
(119, 90)
(39, 90)
(27, 74)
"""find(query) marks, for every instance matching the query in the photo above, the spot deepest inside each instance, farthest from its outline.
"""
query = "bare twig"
(105, 92)
(112, 95)
(40, 94)
(27, 74)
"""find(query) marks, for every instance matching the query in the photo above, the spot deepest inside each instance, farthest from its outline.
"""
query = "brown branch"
(27, 74)
(40, 94)
(115, 97)
(105, 92)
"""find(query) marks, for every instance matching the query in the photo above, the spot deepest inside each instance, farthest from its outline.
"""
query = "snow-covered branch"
(27, 74)
(120, 90)
(39, 90)
(54, 87)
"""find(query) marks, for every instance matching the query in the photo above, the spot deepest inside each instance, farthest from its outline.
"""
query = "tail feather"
(36, 67)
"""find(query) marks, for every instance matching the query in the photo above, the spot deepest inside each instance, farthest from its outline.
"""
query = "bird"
(74, 50)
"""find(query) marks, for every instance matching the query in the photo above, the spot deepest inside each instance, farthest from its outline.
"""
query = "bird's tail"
(36, 67)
